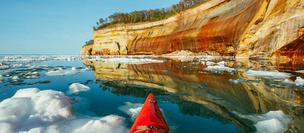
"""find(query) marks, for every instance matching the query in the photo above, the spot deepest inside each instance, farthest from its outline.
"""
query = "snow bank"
(32, 110)
(271, 122)
(77, 87)
(132, 109)
(268, 74)
(62, 72)
(299, 81)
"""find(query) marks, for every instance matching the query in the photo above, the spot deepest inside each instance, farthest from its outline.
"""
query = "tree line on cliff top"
(146, 15)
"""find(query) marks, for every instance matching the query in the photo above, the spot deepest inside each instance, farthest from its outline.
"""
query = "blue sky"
(58, 26)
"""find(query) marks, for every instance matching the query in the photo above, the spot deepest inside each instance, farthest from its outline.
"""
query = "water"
(198, 94)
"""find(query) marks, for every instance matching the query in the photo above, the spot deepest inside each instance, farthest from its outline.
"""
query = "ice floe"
(300, 71)
(47, 111)
(271, 122)
(4, 67)
(77, 87)
(1, 78)
(268, 74)
(299, 81)
(209, 63)
(15, 78)
(219, 68)
(236, 81)
(288, 82)
(132, 109)
(63, 72)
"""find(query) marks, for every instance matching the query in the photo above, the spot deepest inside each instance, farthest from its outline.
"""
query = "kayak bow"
(150, 119)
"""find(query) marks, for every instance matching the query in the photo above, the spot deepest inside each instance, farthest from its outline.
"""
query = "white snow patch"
(77, 87)
(299, 81)
(132, 109)
(32, 110)
(271, 122)
(268, 74)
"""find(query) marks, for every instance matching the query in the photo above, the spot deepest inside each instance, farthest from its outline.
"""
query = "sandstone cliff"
(86, 49)
(242, 28)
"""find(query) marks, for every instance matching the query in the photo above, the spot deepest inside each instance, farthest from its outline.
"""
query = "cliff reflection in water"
(198, 92)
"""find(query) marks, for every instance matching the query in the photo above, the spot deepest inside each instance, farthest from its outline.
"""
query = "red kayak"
(150, 119)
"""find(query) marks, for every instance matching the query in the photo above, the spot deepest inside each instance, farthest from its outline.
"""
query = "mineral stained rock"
(256, 29)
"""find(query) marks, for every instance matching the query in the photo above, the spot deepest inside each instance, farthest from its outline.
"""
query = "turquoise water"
(192, 98)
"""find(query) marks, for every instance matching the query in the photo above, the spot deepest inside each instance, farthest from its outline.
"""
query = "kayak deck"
(150, 118)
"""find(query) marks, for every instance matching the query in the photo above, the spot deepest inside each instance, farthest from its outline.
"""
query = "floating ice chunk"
(132, 109)
(288, 82)
(58, 72)
(31, 75)
(1, 78)
(270, 126)
(32, 110)
(219, 69)
(299, 81)
(236, 81)
(209, 63)
(61, 72)
(77, 87)
(23, 93)
(107, 124)
(17, 65)
(268, 74)
(300, 71)
(271, 122)
(222, 63)
(3, 67)
(33, 106)
(15, 78)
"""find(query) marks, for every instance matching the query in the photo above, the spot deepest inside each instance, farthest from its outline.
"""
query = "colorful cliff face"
(246, 28)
